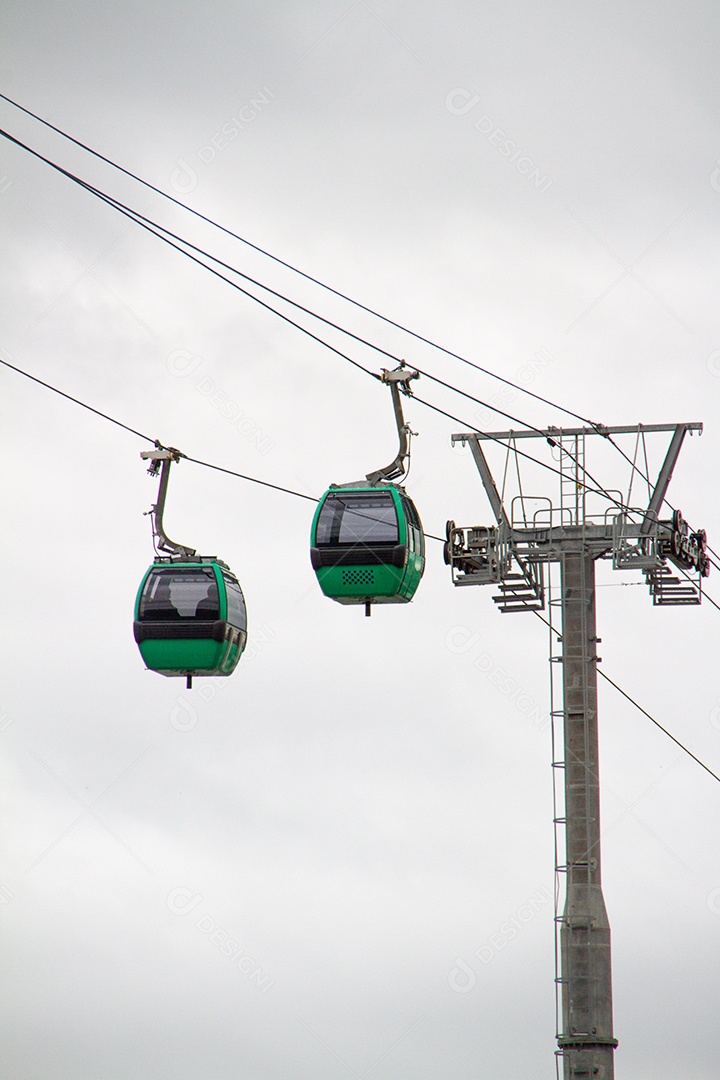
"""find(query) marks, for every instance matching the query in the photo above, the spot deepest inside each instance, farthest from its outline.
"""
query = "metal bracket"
(161, 458)
(397, 380)
(486, 476)
(664, 477)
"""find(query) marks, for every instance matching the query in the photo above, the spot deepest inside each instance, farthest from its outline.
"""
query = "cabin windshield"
(176, 593)
(361, 518)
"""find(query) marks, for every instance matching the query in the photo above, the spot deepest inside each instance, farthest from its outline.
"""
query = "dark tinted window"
(414, 525)
(410, 512)
(236, 613)
(358, 519)
(175, 593)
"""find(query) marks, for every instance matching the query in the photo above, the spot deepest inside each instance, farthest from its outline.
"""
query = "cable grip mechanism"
(161, 458)
(398, 380)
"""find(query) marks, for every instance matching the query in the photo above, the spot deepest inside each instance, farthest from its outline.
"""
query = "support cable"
(195, 461)
(168, 237)
(76, 401)
(643, 711)
(659, 725)
(147, 438)
(158, 231)
(427, 404)
(296, 270)
(521, 453)
(308, 277)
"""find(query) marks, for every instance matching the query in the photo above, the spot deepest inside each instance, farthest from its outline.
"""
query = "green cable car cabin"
(190, 618)
(367, 544)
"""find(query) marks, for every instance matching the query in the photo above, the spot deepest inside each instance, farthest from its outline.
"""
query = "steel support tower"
(586, 1041)
(513, 556)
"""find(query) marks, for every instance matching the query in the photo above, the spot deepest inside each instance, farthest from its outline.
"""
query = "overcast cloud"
(339, 862)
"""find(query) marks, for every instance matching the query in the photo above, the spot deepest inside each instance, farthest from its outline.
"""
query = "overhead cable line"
(294, 269)
(147, 438)
(76, 401)
(169, 238)
(166, 235)
(646, 478)
(659, 725)
(242, 476)
(159, 230)
(156, 442)
(328, 288)
(602, 492)
(640, 708)
(252, 479)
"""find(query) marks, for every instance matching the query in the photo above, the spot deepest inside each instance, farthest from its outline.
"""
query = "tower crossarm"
(555, 433)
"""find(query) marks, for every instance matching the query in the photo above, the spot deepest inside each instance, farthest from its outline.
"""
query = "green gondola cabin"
(190, 617)
(367, 544)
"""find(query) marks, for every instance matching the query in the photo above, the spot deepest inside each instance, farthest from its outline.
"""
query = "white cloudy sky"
(360, 806)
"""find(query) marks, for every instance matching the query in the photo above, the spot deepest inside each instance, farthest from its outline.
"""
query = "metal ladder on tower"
(558, 787)
(572, 483)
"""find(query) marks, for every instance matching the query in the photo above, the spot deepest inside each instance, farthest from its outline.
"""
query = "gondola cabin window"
(236, 613)
(358, 519)
(169, 595)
